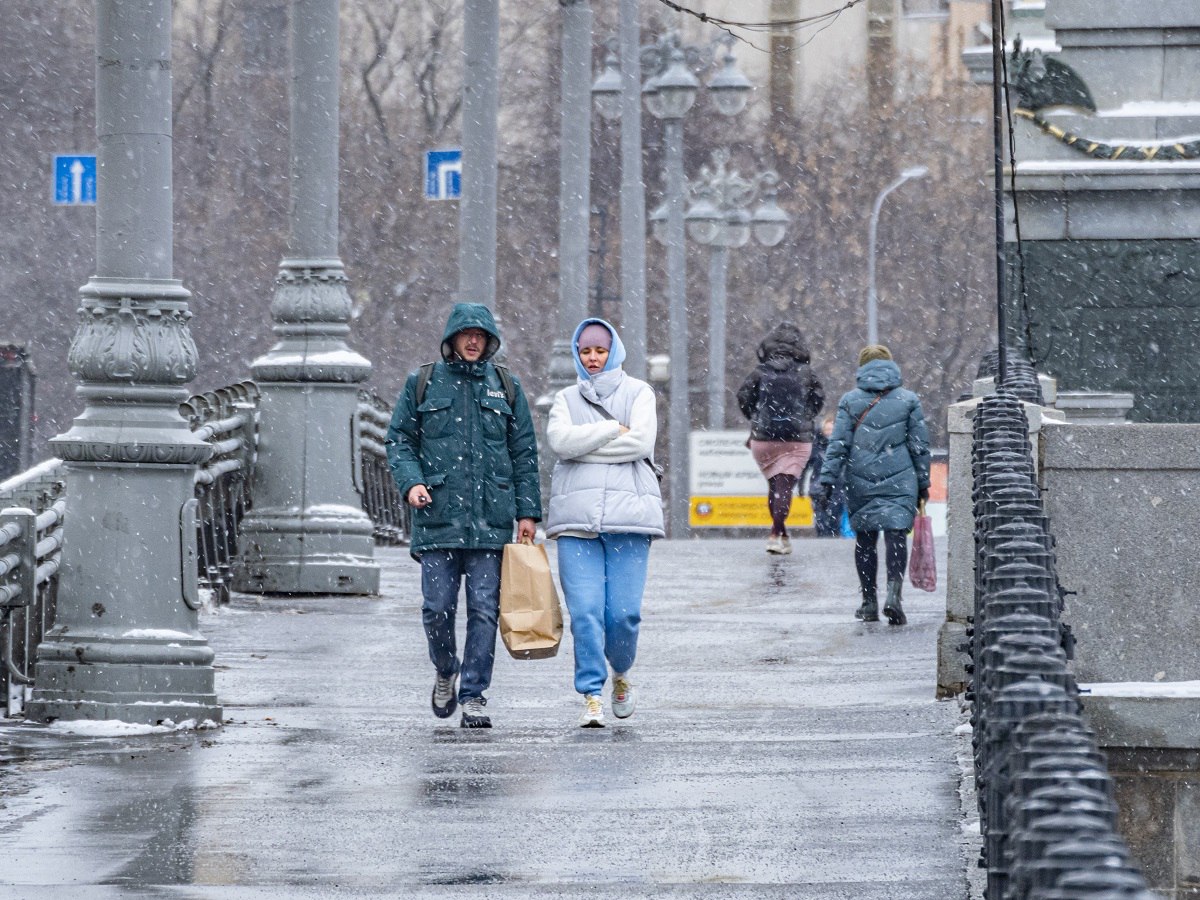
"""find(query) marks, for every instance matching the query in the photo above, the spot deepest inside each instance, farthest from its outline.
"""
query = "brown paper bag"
(531, 622)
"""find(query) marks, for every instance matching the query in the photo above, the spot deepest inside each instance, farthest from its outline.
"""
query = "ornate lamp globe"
(606, 89)
(671, 94)
(770, 222)
(729, 88)
(704, 220)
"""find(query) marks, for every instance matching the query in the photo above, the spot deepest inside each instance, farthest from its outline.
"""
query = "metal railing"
(31, 544)
(1046, 800)
(227, 419)
(372, 478)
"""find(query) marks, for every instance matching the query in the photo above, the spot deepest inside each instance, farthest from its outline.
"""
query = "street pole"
(718, 265)
(306, 532)
(633, 194)
(126, 644)
(872, 228)
(681, 417)
(872, 298)
(477, 206)
(574, 203)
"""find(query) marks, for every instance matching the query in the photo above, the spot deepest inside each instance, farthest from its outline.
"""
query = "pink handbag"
(922, 569)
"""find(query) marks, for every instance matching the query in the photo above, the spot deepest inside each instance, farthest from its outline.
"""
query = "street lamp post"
(720, 218)
(908, 174)
(669, 95)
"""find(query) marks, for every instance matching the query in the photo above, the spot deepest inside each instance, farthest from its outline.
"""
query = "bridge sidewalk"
(780, 749)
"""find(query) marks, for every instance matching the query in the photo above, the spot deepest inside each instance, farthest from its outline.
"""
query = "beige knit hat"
(872, 352)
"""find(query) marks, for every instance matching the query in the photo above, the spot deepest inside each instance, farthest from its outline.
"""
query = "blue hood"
(878, 375)
(616, 354)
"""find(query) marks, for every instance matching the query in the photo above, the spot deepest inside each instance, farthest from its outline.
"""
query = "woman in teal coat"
(881, 446)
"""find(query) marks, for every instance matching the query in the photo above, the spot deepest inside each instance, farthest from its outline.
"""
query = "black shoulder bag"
(654, 467)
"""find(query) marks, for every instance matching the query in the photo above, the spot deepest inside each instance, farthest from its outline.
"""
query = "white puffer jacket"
(602, 482)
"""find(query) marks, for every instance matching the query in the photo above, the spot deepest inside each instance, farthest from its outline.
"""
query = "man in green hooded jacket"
(463, 451)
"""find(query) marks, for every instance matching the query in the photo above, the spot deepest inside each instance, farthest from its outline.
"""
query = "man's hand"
(923, 494)
(526, 529)
(418, 496)
(829, 493)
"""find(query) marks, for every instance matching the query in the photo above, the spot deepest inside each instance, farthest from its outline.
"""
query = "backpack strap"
(424, 374)
(506, 382)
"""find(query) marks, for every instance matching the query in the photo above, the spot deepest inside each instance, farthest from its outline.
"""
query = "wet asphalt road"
(780, 749)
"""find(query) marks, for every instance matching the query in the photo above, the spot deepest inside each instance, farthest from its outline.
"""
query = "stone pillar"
(307, 532)
(1109, 200)
(126, 643)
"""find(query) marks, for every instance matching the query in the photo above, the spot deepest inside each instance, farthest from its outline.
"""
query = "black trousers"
(866, 556)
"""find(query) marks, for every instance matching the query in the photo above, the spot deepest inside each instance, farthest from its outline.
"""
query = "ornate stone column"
(126, 643)
(307, 532)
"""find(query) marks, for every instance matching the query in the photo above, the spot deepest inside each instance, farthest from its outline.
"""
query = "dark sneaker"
(473, 715)
(445, 699)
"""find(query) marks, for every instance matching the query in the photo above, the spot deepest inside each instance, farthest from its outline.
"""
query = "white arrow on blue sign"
(74, 180)
(443, 174)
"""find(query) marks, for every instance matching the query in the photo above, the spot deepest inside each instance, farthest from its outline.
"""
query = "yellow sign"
(745, 512)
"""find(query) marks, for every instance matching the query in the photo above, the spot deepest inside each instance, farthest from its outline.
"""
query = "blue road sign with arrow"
(74, 180)
(443, 174)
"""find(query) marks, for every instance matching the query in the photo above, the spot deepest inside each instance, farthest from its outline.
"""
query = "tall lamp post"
(669, 94)
(908, 174)
(720, 219)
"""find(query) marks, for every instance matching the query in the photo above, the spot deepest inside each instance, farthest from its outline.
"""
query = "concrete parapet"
(1095, 407)
(1124, 503)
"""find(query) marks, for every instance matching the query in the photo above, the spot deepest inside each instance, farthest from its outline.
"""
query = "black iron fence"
(373, 479)
(227, 419)
(1047, 813)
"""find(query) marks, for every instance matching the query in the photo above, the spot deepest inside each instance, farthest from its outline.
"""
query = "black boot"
(892, 608)
(869, 611)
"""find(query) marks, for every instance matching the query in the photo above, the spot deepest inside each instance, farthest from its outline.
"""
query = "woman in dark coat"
(780, 398)
(880, 444)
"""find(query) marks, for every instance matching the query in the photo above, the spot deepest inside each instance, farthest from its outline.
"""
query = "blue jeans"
(602, 580)
(442, 573)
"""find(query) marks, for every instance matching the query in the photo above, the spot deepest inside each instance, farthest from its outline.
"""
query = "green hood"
(471, 315)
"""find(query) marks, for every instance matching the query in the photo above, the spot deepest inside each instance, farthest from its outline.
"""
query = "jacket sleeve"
(570, 441)
(638, 442)
(816, 397)
(747, 395)
(403, 442)
(838, 450)
(918, 443)
(522, 449)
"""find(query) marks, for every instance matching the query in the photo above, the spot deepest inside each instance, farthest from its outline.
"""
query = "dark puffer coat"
(475, 452)
(885, 457)
(782, 396)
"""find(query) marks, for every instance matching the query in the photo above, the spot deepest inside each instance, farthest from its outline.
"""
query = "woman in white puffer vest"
(605, 508)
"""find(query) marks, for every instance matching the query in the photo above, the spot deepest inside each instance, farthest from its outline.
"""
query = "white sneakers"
(593, 712)
(624, 698)
(624, 701)
(779, 544)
